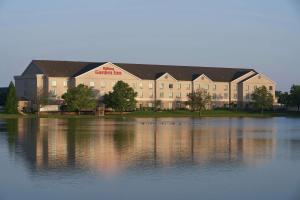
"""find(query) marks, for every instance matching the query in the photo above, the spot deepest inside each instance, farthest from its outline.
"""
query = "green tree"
(295, 96)
(199, 100)
(283, 98)
(11, 103)
(122, 98)
(262, 98)
(80, 98)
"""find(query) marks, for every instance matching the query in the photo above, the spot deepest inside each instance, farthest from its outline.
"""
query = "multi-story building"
(166, 84)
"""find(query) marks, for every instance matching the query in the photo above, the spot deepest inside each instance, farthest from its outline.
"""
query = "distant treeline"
(291, 98)
(3, 93)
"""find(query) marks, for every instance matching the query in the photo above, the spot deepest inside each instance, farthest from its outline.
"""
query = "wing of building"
(164, 83)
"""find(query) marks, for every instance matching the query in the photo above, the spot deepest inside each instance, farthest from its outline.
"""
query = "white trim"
(252, 71)
(166, 73)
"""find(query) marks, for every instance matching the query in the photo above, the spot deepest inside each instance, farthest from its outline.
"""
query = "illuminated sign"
(108, 71)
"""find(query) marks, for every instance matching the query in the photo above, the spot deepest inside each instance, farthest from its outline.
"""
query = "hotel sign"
(108, 71)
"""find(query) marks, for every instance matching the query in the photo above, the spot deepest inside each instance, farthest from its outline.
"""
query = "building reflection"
(110, 146)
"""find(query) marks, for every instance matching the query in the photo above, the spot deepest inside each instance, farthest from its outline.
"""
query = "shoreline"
(159, 114)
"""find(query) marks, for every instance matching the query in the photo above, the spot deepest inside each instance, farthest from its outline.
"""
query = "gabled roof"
(63, 68)
(248, 78)
(143, 71)
(188, 73)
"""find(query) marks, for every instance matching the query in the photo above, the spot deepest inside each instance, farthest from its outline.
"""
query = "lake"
(150, 158)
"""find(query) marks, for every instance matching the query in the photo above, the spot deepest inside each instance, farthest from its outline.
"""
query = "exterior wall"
(57, 86)
(104, 77)
(235, 90)
(249, 85)
(221, 92)
(167, 90)
(26, 87)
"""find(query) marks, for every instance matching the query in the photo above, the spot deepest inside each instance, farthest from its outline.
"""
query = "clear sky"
(259, 34)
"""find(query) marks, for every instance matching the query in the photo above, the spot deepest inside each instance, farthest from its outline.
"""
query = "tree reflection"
(122, 138)
(12, 132)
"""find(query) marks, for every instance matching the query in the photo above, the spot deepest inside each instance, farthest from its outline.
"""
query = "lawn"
(175, 113)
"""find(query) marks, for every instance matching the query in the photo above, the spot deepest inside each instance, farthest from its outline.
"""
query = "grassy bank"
(177, 113)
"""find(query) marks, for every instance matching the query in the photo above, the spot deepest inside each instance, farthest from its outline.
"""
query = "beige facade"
(164, 88)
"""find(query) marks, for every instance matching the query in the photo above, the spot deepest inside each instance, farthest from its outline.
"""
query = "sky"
(263, 35)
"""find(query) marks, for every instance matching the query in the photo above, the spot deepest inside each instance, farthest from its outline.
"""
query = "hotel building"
(166, 84)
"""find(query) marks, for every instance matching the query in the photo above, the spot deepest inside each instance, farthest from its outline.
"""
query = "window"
(255, 87)
(247, 96)
(102, 84)
(179, 85)
(53, 83)
(247, 87)
(225, 95)
(161, 86)
(141, 94)
(197, 86)
(134, 85)
(205, 86)
(92, 84)
(141, 85)
(53, 92)
(171, 86)
(270, 87)
(178, 94)
(65, 83)
(235, 95)
(150, 85)
(215, 87)
(150, 104)
(151, 95)
(161, 95)
(170, 94)
(226, 88)
(170, 105)
(214, 96)
(188, 86)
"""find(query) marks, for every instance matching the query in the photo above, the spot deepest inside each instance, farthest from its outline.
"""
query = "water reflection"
(109, 146)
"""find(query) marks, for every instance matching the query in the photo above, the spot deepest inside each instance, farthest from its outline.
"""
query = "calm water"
(210, 158)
